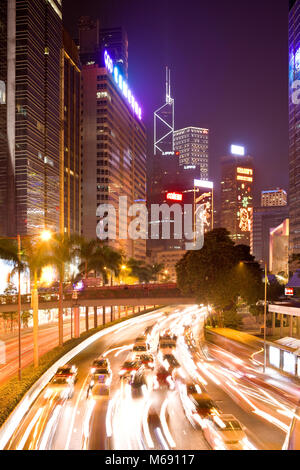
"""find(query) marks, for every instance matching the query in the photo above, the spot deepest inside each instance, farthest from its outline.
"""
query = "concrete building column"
(119, 311)
(281, 325)
(298, 327)
(273, 323)
(86, 318)
(112, 313)
(291, 322)
(126, 311)
(76, 322)
(103, 315)
(95, 317)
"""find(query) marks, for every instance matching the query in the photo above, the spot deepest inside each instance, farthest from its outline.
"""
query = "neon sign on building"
(122, 84)
(244, 178)
(174, 196)
(245, 171)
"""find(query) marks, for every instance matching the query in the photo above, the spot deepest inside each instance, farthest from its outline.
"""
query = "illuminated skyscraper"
(294, 125)
(31, 74)
(114, 149)
(70, 160)
(192, 145)
(274, 198)
(237, 197)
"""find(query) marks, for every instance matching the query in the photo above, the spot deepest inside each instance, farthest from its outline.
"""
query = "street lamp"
(265, 310)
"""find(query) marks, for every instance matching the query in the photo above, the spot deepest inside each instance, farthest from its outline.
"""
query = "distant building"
(279, 248)
(263, 220)
(169, 258)
(70, 175)
(275, 198)
(113, 146)
(192, 143)
(294, 125)
(237, 196)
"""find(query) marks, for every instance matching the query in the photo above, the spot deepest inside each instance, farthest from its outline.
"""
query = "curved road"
(155, 419)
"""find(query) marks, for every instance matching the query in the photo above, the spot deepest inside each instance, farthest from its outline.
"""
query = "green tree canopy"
(220, 272)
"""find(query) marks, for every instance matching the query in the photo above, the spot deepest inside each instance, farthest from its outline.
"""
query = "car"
(129, 366)
(100, 362)
(225, 432)
(101, 375)
(198, 407)
(67, 370)
(147, 360)
(141, 339)
(98, 391)
(162, 379)
(140, 348)
(62, 385)
(171, 361)
(166, 346)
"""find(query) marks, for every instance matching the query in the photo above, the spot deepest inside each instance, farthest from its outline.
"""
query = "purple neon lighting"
(122, 84)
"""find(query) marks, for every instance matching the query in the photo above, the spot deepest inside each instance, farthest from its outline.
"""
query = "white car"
(62, 386)
(224, 432)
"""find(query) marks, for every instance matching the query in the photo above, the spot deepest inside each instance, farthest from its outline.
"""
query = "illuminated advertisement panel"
(174, 196)
(244, 178)
(238, 150)
(274, 357)
(289, 362)
(204, 206)
(245, 171)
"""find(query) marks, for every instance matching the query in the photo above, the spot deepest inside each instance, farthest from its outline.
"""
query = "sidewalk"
(285, 384)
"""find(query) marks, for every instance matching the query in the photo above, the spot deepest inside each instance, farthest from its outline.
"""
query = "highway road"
(157, 419)
(48, 339)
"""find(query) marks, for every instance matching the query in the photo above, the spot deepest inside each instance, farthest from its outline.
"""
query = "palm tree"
(63, 249)
(9, 250)
(35, 258)
(87, 252)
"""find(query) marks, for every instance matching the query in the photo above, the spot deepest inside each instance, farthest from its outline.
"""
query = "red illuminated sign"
(289, 291)
(174, 196)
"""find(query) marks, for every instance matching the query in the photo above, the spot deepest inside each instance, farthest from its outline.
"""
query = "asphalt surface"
(155, 419)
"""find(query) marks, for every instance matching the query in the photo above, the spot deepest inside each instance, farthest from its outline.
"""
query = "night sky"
(229, 65)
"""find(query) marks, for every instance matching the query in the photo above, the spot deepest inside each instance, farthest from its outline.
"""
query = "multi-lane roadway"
(157, 419)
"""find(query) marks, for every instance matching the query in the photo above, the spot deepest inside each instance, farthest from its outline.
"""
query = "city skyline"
(236, 94)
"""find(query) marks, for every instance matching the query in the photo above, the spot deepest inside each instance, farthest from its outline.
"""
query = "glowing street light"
(46, 235)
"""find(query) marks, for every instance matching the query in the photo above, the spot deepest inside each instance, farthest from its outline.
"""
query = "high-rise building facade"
(294, 125)
(274, 198)
(5, 157)
(192, 144)
(113, 149)
(32, 157)
(237, 197)
(70, 158)
(264, 219)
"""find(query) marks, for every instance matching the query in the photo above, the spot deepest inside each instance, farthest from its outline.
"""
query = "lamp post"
(265, 310)
(265, 317)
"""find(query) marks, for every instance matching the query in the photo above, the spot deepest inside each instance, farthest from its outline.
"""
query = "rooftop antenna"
(164, 121)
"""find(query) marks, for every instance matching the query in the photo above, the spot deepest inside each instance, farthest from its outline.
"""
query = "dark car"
(162, 379)
(204, 406)
(172, 361)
